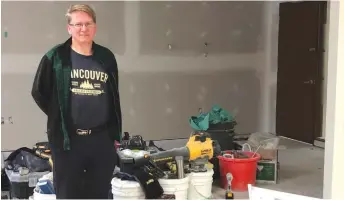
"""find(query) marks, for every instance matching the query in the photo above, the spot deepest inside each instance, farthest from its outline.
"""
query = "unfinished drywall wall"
(159, 89)
(190, 27)
(34, 27)
(325, 72)
(270, 72)
(159, 104)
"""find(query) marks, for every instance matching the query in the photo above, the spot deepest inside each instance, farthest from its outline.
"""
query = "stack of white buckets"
(193, 186)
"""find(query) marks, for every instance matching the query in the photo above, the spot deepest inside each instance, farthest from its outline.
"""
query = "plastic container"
(201, 185)
(22, 186)
(39, 196)
(223, 137)
(243, 171)
(266, 144)
(178, 187)
(124, 189)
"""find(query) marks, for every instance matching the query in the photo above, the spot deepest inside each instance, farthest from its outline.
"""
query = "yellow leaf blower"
(198, 151)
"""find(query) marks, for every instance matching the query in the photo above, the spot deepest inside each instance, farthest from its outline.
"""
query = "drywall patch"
(167, 87)
(132, 89)
(132, 112)
(239, 7)
(235, 112)
(259, 73)
(200, 97)
(50, 36)
(204, 3)
(203, 34)
(169, 110)
(236, 33)
(168, 32)
(203, 90)
(235, 87)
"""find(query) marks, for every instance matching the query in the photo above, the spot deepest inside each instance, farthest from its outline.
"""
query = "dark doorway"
(300, 70)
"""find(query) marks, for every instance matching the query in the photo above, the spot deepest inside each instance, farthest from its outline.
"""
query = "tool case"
(22, 185)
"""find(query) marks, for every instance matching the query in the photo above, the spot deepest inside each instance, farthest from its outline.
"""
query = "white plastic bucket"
(200, 185)
(178, 187)
(124, 189)
(39, 196)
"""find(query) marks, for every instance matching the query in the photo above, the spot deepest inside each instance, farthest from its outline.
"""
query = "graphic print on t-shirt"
(89, 92)
(88, 82)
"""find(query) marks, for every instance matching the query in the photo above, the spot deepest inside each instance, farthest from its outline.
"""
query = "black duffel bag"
(25, 157)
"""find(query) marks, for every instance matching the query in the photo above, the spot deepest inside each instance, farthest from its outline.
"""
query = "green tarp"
(215, 116)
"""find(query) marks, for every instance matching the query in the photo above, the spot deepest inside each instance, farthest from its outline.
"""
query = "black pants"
(85, 171)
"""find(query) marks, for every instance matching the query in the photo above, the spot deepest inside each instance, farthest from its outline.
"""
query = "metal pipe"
(180, 166)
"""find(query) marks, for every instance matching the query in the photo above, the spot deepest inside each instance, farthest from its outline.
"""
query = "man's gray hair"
(83, 8)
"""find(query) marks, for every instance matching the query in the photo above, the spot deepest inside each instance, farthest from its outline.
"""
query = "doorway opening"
(301, 64)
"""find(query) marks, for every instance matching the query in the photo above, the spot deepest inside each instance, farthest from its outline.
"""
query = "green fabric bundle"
(215, 116)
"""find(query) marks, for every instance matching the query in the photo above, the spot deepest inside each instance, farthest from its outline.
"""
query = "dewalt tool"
(198, 150)
(229, 194)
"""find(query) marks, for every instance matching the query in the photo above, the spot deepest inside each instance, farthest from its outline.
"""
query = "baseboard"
(321, 139)
(296, 140)
(319, 142)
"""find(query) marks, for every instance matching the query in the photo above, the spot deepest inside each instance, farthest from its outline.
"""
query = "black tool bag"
(25, 157)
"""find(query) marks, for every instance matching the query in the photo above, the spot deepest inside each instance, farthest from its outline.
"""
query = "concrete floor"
(301, 171)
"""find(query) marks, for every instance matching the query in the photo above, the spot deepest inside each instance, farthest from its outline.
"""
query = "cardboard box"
(267, 171)
(268, 154)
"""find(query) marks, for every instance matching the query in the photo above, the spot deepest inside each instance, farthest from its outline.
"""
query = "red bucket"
(243, 171)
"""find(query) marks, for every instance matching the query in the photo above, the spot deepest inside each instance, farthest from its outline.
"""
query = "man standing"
(76, 86)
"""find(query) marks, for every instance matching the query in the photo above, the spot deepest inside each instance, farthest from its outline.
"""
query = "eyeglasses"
(80, 25)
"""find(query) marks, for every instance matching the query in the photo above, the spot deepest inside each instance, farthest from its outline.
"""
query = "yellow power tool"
(198, 151)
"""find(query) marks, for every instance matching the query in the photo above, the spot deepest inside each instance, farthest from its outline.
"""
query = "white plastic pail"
(200, 185)
(123, 189)
(178, 187)
(39, 196)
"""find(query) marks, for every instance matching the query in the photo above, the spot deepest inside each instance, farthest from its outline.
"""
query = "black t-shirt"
(89, 92)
